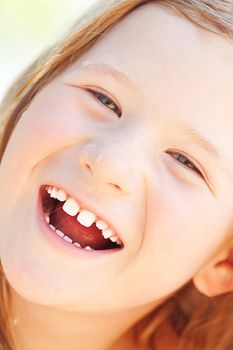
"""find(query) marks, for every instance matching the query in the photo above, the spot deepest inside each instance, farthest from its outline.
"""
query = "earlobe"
(215, 278)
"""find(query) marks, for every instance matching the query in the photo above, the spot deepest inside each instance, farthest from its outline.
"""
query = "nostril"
(116, 186)
(101, 170)
(85, 165)
(88, 167)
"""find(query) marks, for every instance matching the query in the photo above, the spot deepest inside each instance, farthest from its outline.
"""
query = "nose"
(111, 163)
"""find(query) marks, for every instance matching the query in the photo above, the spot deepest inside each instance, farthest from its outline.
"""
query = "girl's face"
(160, 174)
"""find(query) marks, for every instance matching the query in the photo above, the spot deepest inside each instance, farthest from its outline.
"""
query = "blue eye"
(186, 162)
(106, 101)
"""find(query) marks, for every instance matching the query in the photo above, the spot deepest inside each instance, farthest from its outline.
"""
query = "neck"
(44, 327)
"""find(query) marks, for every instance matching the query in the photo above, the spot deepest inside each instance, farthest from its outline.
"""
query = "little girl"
(116, 184)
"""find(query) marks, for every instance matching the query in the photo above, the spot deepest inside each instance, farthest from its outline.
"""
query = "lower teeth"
(66, 238)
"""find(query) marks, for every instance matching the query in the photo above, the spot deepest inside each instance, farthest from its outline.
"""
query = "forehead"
(161, 41)
(182, 73)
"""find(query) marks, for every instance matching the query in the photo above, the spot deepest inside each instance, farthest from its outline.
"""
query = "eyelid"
(104, 92)
(199, 169)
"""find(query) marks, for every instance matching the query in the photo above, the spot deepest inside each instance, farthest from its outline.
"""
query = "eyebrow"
(200, 140)
(206, 145)
(109, 71)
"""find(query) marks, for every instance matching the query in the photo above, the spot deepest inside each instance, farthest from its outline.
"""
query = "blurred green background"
(27, 27)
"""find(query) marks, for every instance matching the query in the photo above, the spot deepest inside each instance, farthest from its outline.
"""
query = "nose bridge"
(114, 159)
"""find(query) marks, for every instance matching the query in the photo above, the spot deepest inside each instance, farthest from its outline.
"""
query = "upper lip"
(85, 206)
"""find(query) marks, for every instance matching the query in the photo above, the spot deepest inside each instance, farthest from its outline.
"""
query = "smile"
(74, 224)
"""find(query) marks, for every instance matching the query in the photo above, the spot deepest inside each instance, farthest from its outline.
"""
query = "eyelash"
(107, 100)
(187, 163)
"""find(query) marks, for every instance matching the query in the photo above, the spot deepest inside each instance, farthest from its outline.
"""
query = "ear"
(216, 277)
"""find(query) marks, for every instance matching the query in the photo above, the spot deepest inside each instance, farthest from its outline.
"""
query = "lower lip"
(59, 243)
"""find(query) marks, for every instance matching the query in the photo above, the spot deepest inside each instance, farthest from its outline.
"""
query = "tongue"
(85, 236)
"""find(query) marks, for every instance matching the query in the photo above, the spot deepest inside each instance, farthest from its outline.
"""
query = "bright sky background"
(27, 27)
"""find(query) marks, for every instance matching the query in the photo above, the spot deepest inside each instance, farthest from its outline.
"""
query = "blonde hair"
(201, 322)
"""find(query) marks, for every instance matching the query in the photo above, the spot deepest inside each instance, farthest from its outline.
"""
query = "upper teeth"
(71, 207)
(85, 217)
(101, 224)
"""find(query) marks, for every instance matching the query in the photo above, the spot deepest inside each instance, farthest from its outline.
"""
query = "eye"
(186, 162)
(106, 101)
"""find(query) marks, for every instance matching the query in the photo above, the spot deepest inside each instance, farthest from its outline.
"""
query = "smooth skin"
(172, 215)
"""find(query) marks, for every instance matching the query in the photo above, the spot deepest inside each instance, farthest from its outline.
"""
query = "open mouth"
(76, 225)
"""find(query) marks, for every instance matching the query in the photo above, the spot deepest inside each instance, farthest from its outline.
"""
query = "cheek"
(52, 122)
(184, 227)
(37, 135)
